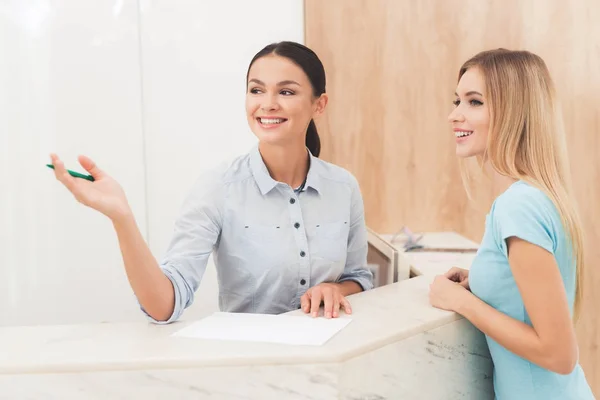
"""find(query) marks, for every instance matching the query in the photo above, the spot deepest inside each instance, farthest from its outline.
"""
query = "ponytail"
(312, 139)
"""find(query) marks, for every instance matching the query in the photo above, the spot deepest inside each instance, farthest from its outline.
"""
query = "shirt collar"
(266, 183)
(313, 178)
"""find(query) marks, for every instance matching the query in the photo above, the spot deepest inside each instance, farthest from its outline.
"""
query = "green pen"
(75, 174)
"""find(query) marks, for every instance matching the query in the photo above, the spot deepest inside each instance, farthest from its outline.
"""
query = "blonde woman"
(524, 286)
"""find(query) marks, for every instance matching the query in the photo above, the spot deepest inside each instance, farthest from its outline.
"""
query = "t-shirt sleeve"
(526, 214)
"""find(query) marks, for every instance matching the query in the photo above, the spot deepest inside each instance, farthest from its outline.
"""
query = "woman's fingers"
(61, 174)
(456, 274)
(452, 273)
(305, 302)
(346, 306)
(315, 301)
(327, 294)
(328, 304)
(336, 306)
(91, 167)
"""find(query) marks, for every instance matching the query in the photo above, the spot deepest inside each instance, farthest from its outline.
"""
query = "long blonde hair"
(526, 139)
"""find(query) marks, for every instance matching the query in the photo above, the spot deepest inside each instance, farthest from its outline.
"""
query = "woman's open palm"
(104, 194)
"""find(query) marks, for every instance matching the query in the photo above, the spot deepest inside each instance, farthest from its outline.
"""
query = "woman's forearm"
(516, 336)
(151, 286)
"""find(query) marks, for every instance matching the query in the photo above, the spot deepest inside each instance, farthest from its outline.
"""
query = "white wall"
(70, 83)
(154, 92)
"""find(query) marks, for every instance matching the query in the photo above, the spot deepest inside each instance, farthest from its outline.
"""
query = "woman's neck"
(499, 182)
(286, 164)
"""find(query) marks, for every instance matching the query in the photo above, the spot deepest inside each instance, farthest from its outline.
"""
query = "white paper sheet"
(285, 329)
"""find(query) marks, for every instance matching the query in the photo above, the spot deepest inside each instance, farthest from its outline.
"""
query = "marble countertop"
(380, 316)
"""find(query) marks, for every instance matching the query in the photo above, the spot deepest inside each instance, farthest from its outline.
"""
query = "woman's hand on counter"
(460, 276)
(330, 294)
(447, 294)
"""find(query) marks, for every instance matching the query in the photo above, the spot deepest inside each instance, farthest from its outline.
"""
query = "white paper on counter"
(284, 329)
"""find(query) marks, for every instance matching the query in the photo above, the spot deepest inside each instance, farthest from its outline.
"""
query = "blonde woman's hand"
(460, 276)
(446, 294)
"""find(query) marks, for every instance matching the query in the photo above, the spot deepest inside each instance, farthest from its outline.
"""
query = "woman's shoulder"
(524, 202)
(212, 181)
(522, 194)
(527, 212)
(334, 172)
(225, 171)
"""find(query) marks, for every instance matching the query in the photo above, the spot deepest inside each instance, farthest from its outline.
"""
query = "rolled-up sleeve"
(356, 259)
(197, 231)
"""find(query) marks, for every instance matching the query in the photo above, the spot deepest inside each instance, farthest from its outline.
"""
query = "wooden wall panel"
(392, 68)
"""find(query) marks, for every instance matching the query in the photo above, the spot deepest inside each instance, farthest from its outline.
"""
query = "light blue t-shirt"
(527, 213)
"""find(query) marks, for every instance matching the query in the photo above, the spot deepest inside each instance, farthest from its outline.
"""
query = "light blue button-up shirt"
(270, 243)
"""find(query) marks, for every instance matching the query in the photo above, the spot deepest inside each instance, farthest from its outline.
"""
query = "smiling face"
(471, 117)
(280, 101)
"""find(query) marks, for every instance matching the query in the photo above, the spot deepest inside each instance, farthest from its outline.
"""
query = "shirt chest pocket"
(331, 241)
(260, 234)
(264, 246)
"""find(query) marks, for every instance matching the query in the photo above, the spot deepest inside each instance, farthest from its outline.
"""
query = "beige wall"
(392, 67)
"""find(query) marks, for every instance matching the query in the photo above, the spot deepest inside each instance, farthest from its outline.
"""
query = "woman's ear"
(321, 104)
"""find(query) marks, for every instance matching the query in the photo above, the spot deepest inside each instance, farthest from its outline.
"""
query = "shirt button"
(302, 253)
(292, 201)
(302, 282)
(296, 225)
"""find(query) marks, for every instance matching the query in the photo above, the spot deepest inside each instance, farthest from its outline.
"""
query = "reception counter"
(430, 260)
(396, 347)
